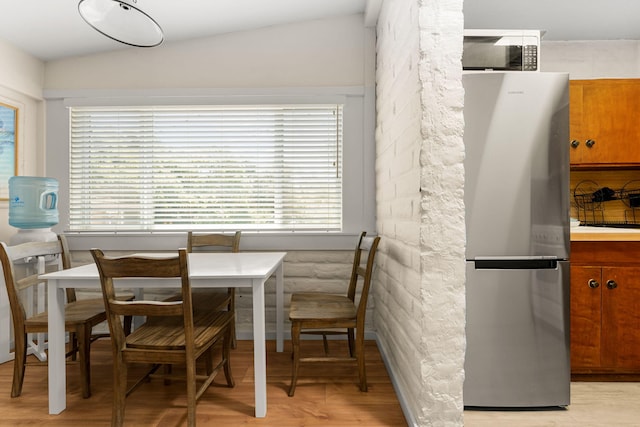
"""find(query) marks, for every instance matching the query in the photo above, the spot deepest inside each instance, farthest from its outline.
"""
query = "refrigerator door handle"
(516, 264)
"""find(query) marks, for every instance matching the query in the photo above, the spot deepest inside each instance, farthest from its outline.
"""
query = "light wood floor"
(328, 398)
(593, 404)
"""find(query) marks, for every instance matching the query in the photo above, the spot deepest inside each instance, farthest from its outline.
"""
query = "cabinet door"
(576, 133)
(621, 317)
(586, 329)
(610, 110)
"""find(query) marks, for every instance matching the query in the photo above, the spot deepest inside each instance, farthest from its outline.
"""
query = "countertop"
(586, 233)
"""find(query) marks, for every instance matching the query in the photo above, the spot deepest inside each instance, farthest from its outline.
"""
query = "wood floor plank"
(325, 396)
(321, 400)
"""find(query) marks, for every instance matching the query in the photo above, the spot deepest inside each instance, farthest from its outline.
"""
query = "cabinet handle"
(575, 143)
(611, 284)
(593, 283)
(589, 143)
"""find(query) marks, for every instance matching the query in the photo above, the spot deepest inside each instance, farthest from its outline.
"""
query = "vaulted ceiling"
(51, 29)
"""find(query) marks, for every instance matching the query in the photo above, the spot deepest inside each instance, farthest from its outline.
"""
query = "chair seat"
(77, 312)
(318, 306)
(167, 333)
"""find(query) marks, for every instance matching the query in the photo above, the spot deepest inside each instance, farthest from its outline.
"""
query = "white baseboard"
(411, 422)
(246, 335)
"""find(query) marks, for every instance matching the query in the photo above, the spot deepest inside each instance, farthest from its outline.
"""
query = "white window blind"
(267, 167)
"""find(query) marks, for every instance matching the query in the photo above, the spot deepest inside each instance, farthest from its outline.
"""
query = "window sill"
(251, 241)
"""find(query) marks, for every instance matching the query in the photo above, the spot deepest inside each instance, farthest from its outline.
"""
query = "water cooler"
(33, 210)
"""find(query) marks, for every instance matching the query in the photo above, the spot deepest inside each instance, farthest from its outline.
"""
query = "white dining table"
(206, 270)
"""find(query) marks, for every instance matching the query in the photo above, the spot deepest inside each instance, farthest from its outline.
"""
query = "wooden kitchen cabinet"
(586, 323)
(605, 308)
(603, 121)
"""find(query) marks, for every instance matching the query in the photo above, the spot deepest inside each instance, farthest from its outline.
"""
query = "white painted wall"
(592, 59)
(21, 78)
(419, 288)
(20, 71)
(328, 52)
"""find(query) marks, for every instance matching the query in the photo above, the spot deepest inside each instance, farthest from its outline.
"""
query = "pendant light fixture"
(122, 21)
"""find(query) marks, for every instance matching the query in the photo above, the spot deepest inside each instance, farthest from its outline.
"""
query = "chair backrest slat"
(147, 308)
(27, 282)
(367, 245)
(24, 251)
(214, 241)
(134, 266)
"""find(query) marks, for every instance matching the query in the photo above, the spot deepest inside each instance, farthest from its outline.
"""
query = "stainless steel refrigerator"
(517, 217)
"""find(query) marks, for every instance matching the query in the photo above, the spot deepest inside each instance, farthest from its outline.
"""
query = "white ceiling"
(562, 19)
(51, 29)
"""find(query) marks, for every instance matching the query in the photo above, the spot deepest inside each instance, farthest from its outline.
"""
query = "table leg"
(259, 349)
(280, 308)
(57, 368)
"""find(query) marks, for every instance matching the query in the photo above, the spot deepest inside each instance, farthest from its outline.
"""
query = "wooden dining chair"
(214, 299)
(98, 302)
(80, 315)
(329, 314)
(172, 334)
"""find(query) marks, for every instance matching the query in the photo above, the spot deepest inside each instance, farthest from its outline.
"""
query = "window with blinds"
(267, 167)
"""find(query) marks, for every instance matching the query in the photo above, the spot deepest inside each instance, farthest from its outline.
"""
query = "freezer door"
(517, 337)
(517, 164)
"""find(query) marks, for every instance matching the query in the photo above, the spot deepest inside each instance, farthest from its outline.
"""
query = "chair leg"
(234, 343)
(84, 344)
(119, 391)
(19, 362)
(191, 393)
(227, 343)
(232, 308)
(362, 374)
(168, 369)
(73, 343)
(351, 342)
(295, 340)
(325, 344)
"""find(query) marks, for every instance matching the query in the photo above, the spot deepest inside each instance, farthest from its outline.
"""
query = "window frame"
(358, 157)
(248, 167)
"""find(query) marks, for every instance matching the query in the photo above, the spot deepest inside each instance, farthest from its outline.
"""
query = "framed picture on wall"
(8, 147)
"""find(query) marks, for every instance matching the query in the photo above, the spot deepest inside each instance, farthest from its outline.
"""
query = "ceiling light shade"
(121, 21)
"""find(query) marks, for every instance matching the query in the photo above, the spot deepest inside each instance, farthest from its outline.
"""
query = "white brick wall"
(419, 288)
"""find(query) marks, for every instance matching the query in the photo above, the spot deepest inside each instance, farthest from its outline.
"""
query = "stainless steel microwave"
(501, 50)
